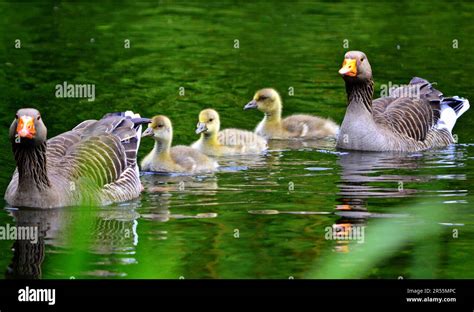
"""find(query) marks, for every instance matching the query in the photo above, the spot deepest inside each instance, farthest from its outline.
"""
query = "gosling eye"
(210, 120)
(160, 126)
(262, 98)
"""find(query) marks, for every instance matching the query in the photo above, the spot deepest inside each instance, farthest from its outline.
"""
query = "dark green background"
(282, 45)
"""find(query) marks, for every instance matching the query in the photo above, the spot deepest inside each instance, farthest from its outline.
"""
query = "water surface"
(259, 216)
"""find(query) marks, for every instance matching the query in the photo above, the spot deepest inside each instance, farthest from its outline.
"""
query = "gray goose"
(93, 164)
(412, 118)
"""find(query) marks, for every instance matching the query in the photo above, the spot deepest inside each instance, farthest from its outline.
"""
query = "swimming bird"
(94, 163)
(225, 142)
(164, 158)
(414, 117)
(297, 126)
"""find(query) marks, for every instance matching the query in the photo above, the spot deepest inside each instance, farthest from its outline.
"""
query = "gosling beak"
(26, 127)
(250, 105)
(148, 132)
(201, 127)
(349, 68)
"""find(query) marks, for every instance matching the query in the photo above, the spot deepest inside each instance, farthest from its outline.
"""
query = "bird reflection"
(282, 145)
(109, 231)
(28, 256)
(368, 175)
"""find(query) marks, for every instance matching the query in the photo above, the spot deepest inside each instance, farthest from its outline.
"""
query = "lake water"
(260, 216)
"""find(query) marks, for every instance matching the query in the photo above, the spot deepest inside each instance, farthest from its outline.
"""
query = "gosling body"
(299, 126)
(226, 142)
(177, 159)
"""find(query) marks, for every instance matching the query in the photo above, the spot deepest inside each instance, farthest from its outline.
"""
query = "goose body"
(226, 142)
(414, 117)
(94, 163)
(298, 126)
(164, 158)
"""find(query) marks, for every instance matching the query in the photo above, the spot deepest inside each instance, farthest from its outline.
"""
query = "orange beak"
(26, 127)
(349, 68)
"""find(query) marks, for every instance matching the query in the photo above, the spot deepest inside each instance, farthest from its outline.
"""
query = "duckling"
(225, 142)
(164, 158)
(301, 126)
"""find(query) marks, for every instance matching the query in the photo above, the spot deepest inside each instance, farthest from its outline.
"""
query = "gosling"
(226, 142)
(298, 126)
(177, 159)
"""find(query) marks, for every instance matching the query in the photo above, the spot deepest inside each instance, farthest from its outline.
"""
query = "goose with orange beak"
(413, 117)
(92, 164)
(28, 127)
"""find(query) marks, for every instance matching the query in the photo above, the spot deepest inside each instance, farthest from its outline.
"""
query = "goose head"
(356, 67)
(265, 100)
(28, 127)
(159, 129)
(209, 122)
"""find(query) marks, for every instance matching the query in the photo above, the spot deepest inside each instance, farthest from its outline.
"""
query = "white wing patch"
(448, 115)
(304, 129)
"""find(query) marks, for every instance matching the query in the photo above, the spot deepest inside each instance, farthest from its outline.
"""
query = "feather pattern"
(94, 163)
(298, 126)
(413, 117)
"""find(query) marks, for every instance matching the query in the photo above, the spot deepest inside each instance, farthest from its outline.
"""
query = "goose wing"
(102, 153)
(410, 110)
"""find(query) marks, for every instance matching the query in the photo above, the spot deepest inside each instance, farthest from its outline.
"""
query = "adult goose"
(412, 118)
(298, 126)
(226, 142)
(94, 163)
(164, 158)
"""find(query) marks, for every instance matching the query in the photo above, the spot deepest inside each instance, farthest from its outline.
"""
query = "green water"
(260, 216)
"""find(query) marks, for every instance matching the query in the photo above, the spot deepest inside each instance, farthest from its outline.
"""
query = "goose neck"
(32, 165)
(359, 94)
(162, 148)
(273, 116)
(210, 138)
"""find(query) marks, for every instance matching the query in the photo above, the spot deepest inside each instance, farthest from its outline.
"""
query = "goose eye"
(16, 116)
(38, 118)
(361, 59)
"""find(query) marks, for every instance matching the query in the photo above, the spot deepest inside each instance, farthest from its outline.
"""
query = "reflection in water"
(166, 190)
(165, 184)
(113, 231)
(366, 175)
(28, 256)
(301, 145)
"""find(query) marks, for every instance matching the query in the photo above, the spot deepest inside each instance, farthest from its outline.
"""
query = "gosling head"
(209, 122)
(265, 100)
(356, 67)
(28, 128)
(160, 129)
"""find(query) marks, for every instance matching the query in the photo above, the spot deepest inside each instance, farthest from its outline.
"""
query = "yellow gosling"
(225, 142)
(298, 126)
(164, 158)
